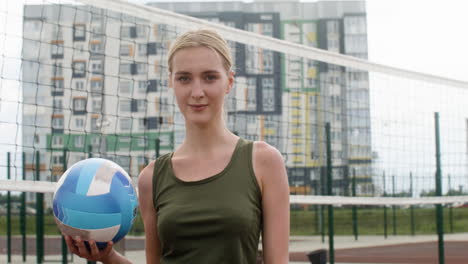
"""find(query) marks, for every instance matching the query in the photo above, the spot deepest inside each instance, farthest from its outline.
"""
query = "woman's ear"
(230, 81)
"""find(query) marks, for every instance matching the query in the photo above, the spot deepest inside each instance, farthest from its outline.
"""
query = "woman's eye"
(183, 79)
(210, 77)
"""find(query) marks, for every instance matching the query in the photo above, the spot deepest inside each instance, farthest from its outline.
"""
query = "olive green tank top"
(214, 220)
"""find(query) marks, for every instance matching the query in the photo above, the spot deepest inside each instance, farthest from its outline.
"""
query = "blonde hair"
(201, 38)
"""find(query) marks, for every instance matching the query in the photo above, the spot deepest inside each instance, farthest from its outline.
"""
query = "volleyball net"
(83, 79)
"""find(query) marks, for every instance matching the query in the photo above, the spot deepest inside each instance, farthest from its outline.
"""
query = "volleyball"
(95, 199)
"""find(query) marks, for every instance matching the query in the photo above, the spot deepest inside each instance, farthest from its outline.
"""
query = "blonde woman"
(209, 200)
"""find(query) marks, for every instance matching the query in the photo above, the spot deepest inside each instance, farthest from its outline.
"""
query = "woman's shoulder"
(268, 162)
(145, 180)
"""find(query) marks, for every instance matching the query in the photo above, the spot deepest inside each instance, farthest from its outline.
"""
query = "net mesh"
(89, 79)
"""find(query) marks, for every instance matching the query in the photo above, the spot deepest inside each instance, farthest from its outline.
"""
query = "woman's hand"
(77, 246)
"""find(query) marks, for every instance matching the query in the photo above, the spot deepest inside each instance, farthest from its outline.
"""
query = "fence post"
(23, 210)
(8, 227)
(39, 215)
(412, 206)
(355, 223)
(331, 233)
(394, 207)
(438, 179)
(385, 207)
(450, 206)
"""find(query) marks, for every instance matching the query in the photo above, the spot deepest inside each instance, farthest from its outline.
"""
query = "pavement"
(298, 245)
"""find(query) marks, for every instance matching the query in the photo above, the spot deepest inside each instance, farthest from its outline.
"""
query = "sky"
(427, 36)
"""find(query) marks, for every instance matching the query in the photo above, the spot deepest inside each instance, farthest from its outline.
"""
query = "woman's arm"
(148, 213)
(269, 168)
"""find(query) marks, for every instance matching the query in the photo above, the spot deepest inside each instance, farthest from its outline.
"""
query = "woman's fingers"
(71, 244)
(82, 250)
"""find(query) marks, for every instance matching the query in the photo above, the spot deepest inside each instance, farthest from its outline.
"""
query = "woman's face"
(200, 83)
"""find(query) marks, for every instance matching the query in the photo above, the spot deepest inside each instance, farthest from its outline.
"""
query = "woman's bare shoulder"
(145, 180)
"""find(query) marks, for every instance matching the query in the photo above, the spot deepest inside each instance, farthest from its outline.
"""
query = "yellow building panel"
(311, 36)
(295, 103)
(269, 131)
(312, 73)
(297, 159)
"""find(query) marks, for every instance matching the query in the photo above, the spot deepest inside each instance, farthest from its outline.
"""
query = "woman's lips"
(198, 107)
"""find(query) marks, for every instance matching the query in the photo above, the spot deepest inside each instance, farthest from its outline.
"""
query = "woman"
(208, 201)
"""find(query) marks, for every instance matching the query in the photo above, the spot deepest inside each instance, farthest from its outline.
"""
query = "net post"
(39, 215)
(355, 224)
(439, 209)
(64, 244)
(385, 207)
(412, 206)
(8, 227)
(331, 248)
(394, 207)
(23, 210)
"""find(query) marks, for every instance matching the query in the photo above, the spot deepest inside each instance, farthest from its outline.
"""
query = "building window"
(141, 68)
(163, 104)
(79, 85)
(125, 50)
(268, 93)
(79, 141)
(142, 123)
(57, 160)
(142, 86)
(125, 86)
(142, 49)
(58, 70)
(79, 32)
(141, 106)
(95, 125)
(79, 69)
(151, 48)
(95, 141)
(125, 68)
(96, 86)
(142, 141)
(57, 106)
(125, 124)
(125, 105)
(251, 96)
(57, 51)
(127, 32)
(141, 31)
(57, 122)
(97, 66)
(57, 87)
(96, 48)
(152, 86)
(57, 141)
(79, 123)
(96, 105)
(79, 105)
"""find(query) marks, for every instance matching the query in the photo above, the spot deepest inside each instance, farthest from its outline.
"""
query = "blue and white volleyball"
(95, 200)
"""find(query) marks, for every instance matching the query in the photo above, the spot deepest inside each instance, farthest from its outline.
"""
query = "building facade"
(95, 84)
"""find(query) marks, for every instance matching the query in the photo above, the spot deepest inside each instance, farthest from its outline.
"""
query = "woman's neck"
(206, 139)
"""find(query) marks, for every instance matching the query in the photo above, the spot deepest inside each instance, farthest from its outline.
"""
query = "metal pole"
(64, 244)
(393, 206)
(157, 143)
(322, 208)
(39, 215)
(355, 224)
(385, 207)
(412, 206)
(439, 209)
(330, 192)
(8, 211)
(450, 206)
(23, 212)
